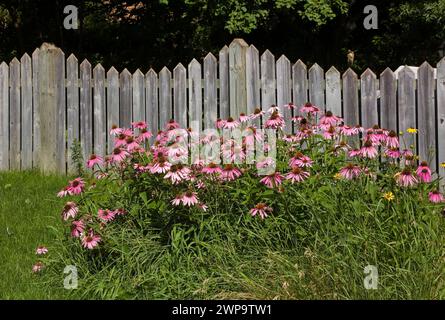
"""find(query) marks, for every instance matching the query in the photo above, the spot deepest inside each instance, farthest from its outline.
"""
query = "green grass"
(28, 206)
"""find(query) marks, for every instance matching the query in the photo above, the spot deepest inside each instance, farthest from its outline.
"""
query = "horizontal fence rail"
(48, 101)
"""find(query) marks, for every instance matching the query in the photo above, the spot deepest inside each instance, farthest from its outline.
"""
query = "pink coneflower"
(393, 153)
(190, 198)
(405, 178)
(94, 159)
(70, 210)
(243, 118)
(211, 168)
(118, 155)
(161, 165)
(105, 215)
(275, 121)
(297, 175)
(178, 173)
(346, 130)
(76, 186)
(131, 143)
(329, 133)
(297, 119)
(329, 119)
(91, 240)
(257, 113)
(177, 200)
(144, 135)
(310, 109)
(391, 140)
(290, 138)
(261, 209)
(77, 228)
(139, 125)
(120, 140)
(368, 150)
(202, 206)
(424, 172)
(230, 123)
(272, 180)
(64, 192)
(172, 124)
(273, 108)
(350, 172)
(41, 250)
(436, 197)
(115, 130)
(37, 267)
(300, 160)
(265, 163)
(230, 173)
(354, 153)
(120, 212)
(289, 106)
(219, 123)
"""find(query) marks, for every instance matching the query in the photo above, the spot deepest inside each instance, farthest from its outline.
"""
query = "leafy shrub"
(297, 217)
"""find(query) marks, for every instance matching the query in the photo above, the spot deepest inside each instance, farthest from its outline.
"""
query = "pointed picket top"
(151, 73)
(72, 59)
(25, 58)
(85, 64)
(238, 42)
(283, 59)
(138, 74)
(300, 64)
(349, 73)
(408, 71)
(210, 56)
(125, 73)
(316, 67)
(14, 61)
(368, 73)
(332, 71)
(194, 62)
(387, 73)
(164, 72)
(441, 63)
(224, 50)
(267, 55)
(179, 67)
(112, 71)
(4, 65)
(35, 53)
(98, 68)
(253, 50)
(425, 67)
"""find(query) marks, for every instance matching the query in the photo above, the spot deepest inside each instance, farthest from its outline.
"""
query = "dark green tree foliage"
(143, 34)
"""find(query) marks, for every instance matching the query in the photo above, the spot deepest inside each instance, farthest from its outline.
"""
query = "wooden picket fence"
(48, 101)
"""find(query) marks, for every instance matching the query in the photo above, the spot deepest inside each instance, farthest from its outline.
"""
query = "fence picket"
(210, 91)
(368, 90)
(268, 96)
(4, 116)
(99, 112)
(441, 118)
(14, 115)
(406, 99)
(224, 101)
(86, 110)
(72, 100)
(388, 102)
(195, 96)
(165, 97)
(138, 113)
(253, 79)
(112, 105)
(333, 91)
(299, 85)
(151, 96)
(125, 98)
(26, 112)
(237, 77)
(35, 111)
(180, 95)
(316, 86)
(350, 98)
(284, 90)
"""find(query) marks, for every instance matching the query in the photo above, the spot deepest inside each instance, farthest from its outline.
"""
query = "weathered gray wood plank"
(427, 115)
(4, 116)
(441, 118)
(253, 79)
(268, 94)
(14, 115)
(316, 86)
(165, 97)
(350, 98)
(407, 100)
(26, 112)
(224, 101)
(333, 91)
(284, 84)
(195, 96)
(180, 95)
(368, 90)
(138, 96)
(112, 105)
(210, 91)
(125, 99)
(99, 112)
(237, 77)
(388, 100)
(86, 110)
(72, 100)
(300, 85)
(61, 113)
(35, 111)
(151, 96)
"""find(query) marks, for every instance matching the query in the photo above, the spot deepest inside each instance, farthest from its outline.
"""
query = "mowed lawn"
(28, 213)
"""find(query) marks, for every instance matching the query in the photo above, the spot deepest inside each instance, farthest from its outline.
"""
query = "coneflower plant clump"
(250, 204)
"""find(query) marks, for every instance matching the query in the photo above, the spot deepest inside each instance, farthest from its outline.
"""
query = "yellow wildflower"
(411, 130)
(337, 176)
(389, 196)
